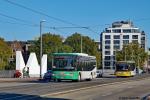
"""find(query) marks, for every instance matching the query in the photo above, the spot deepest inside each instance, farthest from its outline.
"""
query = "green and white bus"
(73, 66)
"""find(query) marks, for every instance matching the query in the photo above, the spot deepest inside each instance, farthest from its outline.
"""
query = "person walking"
(24, 72)
(28, 72)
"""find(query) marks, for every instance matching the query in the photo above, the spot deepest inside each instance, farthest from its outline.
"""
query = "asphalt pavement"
(19, 80)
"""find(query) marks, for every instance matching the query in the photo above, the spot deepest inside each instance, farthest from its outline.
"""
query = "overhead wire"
(41, 13)
(58, 19)
(25, 22)
(14, 18)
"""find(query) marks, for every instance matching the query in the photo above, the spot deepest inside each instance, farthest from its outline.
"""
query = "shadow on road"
(13, 96)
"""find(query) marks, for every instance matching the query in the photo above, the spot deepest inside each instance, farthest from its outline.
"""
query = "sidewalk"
(19, 80)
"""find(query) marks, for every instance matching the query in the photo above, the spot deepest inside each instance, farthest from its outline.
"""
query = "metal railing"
(7, 73)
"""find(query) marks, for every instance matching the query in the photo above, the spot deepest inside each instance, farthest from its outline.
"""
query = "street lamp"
(41, 48)
(81, 43)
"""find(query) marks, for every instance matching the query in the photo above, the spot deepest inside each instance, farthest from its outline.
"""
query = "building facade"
(113, 38)
(19, 46)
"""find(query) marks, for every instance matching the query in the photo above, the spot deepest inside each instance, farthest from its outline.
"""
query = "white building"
(114, 37)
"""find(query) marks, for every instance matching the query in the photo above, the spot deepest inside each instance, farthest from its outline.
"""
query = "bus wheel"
(58, 80)
(54, 80)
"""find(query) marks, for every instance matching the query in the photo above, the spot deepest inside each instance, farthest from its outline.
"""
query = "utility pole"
(125, 55)
(41, 52)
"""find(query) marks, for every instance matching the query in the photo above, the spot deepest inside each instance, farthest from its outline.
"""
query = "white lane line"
(67, 91)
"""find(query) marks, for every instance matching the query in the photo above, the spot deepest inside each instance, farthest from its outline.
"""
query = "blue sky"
(96, 14)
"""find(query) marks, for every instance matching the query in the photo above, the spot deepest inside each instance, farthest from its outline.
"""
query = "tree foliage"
(51, 43)
(132, 52)
(88, 46)
(5, 53)
(54, 43)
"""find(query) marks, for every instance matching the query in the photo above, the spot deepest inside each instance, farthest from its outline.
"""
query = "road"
(135, 90)
(104, 87)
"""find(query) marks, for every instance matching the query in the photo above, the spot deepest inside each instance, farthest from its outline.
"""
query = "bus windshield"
(122, 67)
(125, 66)
(64, 62)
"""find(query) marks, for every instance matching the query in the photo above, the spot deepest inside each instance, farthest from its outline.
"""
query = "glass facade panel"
(107, 36)
(134, 41)
(107, 57)
(107, 47)
(116, 36)
(107, 52)
(134, 36)
(107, 68)
(107, 41)
(107, 63)
(116, 30)
(135, 31)
(127, 31)
(116, 47)
(125, 36)
(125, 41)
(116, 41)
(108, 31)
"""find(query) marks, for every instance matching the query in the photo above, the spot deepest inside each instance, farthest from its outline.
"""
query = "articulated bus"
(125, 69)
(73, 66)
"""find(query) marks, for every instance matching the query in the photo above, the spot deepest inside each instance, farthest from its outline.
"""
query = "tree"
(51, 43)
(5, 53)
(88, 46)
(74, 41)
(132, 52)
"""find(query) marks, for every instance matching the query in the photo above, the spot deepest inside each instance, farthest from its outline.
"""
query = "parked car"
(48, 75)
(99, 73)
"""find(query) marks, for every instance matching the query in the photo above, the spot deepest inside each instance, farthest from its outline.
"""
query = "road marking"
(84, 88)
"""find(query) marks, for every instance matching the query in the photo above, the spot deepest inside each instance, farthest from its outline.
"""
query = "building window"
(107, 68)
(114, 52)
(116, 31)
(107, 36)
(107, 52)
(116, 47)
(143, 38)
(126, 30)
(142, 46)
(116, 41)
(107, 58)
(142, 42)
(108, 31)
(116, 36)
(107, 42)
(107, 63)
(107, 47)
(134, 36)
(135, 31)
(134, 41)
(125, 41)
(125, 36)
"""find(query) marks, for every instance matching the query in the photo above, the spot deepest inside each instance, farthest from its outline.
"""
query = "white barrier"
(32, 63)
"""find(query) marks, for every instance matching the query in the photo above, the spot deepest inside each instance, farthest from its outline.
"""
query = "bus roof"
(71, 54)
